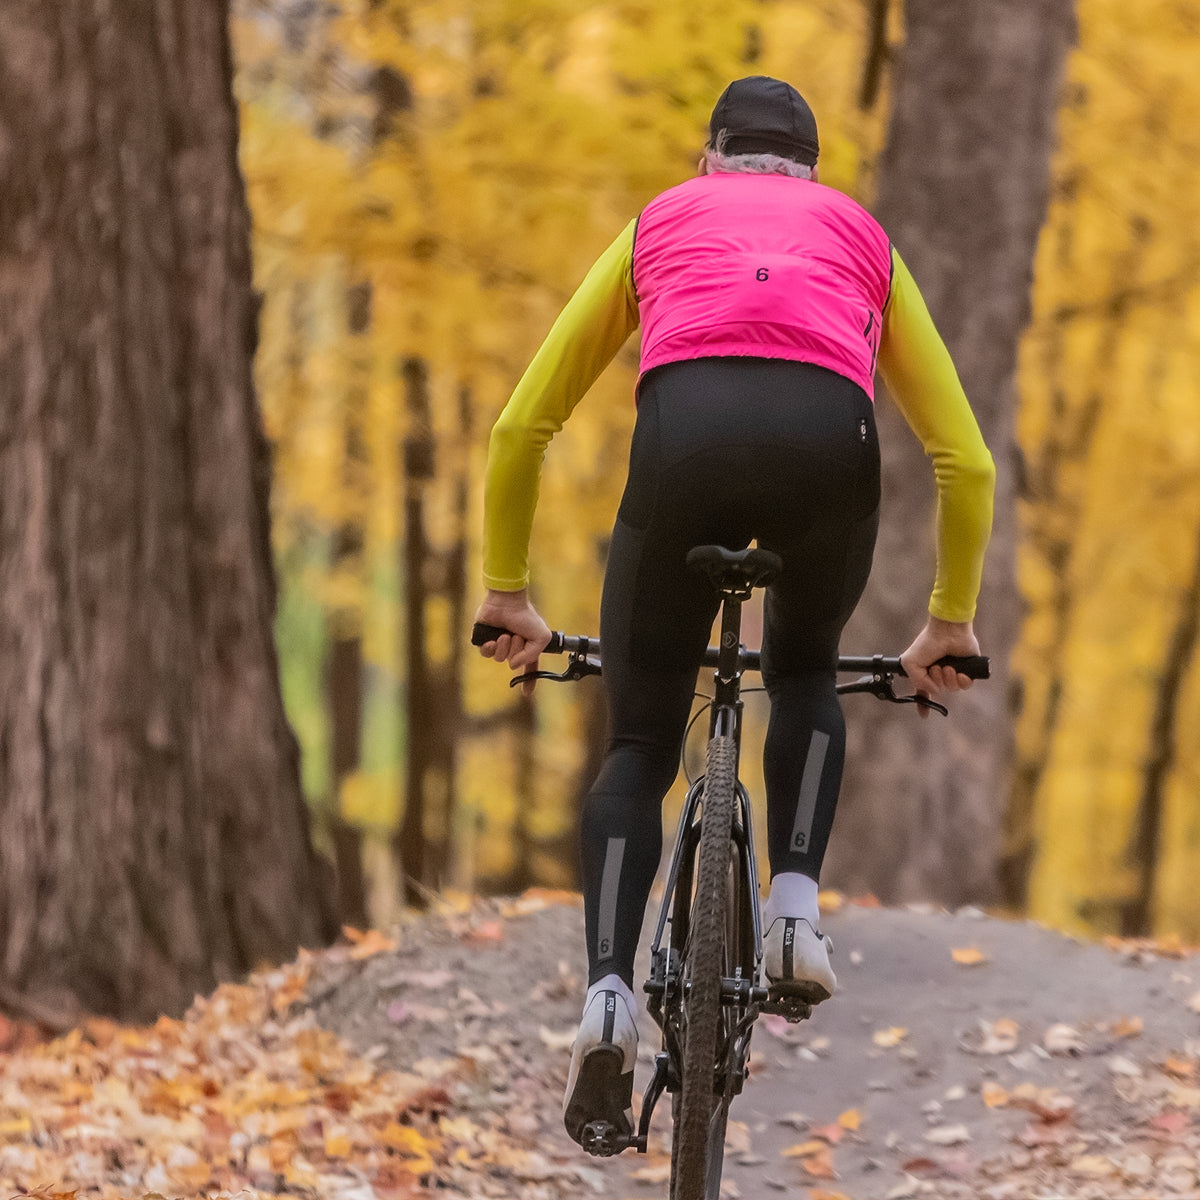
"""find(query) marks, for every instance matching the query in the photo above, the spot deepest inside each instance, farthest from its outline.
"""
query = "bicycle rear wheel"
(698, 1140)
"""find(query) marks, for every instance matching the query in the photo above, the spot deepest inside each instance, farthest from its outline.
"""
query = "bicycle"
(706, 986)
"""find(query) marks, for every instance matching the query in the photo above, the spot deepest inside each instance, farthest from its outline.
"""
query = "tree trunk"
(153, 835)
(963, 193)
(344, 666)
(411, 841)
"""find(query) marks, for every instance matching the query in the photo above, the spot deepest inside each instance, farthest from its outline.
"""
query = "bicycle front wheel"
(698, 1140)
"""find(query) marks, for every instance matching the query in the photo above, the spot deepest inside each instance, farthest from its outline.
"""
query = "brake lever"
(921, 702)
(577, 668)
(880, 686)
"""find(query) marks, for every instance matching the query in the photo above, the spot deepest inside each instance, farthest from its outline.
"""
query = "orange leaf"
(819, 1166)
(1128, 1027)
(805, 1149)
(1180, 1068)
(368, 943)
(830, 902)
(851, 1119)
(337, 1146)
(994, 1096)
(832, 1133)
(889, 1037)
(969, 956)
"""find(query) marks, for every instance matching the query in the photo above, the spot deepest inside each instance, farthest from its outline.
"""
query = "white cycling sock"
(792, 895)
(613, 983)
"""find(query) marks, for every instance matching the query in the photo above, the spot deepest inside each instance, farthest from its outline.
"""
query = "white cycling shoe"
(598, 1103)
(796, 960)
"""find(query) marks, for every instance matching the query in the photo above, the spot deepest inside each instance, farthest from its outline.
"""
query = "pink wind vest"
(761, 265)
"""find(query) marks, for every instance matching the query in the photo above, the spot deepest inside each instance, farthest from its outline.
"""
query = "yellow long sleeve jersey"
(594, 325)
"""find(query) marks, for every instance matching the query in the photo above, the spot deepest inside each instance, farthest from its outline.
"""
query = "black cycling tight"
(726, 450)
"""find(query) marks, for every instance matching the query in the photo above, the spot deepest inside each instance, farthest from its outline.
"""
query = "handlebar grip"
(481, 633)
(974, 666)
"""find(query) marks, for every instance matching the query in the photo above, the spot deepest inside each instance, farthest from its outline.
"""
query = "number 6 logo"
(761, 274)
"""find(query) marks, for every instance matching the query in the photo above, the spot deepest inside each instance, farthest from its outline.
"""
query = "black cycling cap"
(761, 115)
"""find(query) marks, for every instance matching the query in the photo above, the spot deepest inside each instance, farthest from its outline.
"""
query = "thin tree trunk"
(153, 835)
(344, 668)
(963, 193)
(411, 842)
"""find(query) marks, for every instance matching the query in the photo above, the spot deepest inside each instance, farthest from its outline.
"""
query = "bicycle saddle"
(735, 570)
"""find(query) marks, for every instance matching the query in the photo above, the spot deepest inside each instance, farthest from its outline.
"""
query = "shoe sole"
(805, 990)
(601, 1093)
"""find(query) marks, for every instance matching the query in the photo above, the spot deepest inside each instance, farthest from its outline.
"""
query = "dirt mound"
(963, 1056)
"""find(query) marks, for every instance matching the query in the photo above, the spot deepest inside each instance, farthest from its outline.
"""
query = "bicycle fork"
(741, 993)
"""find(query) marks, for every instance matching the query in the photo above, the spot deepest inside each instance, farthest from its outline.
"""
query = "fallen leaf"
(805, 1149)
(536, 899)
(555, 1039)
(832, 1133)
(948, 1135)
(1128, 1027)
(488, 931)
(367, 943)
(1047, 1103)
(992, 1037)
(1094, 1166)
(659, 1174)
(830, 901)
(887, 1038)
(819, 1166)
(1172, 1121)
(969, 956)
(994, 1096)
(337, 1146)
(1063, 1039)
(1118, 1064)
(1180, 1068)
(851, 1119)
(920, 1163)
(1043, 1134)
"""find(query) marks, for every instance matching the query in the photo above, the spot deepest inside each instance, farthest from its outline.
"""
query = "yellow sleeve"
(921, 379)
(582, 342)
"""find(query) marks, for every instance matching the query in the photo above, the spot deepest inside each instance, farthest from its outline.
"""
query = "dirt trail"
(963, 1056)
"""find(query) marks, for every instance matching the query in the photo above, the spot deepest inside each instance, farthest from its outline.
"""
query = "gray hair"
(719, 163)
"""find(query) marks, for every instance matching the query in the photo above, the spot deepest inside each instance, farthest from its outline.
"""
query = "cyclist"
(764, 300)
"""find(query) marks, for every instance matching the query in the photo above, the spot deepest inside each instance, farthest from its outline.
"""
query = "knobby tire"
(698, 1136)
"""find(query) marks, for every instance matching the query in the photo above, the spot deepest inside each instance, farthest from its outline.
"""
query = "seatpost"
(729, 670)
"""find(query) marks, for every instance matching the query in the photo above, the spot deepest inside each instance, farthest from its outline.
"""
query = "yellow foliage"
(535, 129)
(1109, 381)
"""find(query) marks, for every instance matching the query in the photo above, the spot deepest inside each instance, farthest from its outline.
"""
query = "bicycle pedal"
(791, 1008)
(602, 1139)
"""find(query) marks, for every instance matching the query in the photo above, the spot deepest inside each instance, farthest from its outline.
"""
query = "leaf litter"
(393, 1066)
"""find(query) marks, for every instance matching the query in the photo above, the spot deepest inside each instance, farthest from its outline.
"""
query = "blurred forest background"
(427, 181)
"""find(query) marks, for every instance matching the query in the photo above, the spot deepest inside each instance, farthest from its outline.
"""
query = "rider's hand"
(936, 640)
(528, 634)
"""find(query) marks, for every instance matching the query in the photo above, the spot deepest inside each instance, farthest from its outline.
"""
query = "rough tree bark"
(963, 193)
(153, 835)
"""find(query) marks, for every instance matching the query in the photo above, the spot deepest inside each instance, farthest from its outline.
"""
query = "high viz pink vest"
(762, 265)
